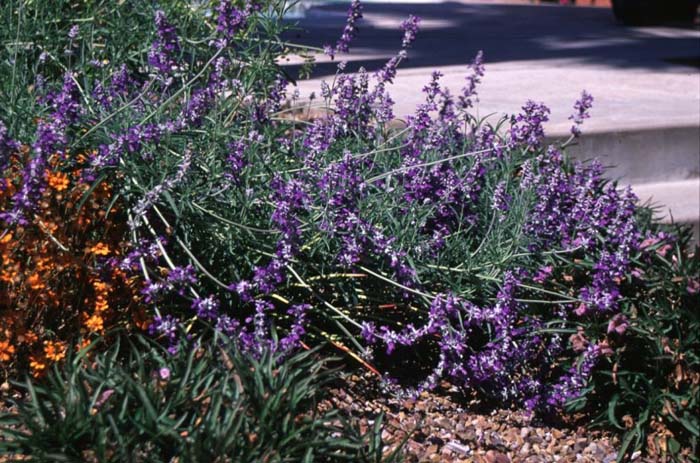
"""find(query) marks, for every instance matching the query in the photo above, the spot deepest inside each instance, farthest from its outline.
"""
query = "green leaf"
(611, 410)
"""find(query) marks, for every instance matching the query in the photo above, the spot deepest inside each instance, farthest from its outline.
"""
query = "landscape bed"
(191, 257)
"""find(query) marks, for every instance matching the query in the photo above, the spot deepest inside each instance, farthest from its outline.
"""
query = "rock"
(525, 449)
(524, 432)
(458, 448)
(493, 456)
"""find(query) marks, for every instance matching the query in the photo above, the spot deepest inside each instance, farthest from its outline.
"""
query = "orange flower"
(7, 238)
(101, 304)
(34, 282)
(100, 249)
(37, 366)
(57, 180)
(54, 350)
(95, 323)
(28, 337)
(100, 286)
(84, 344)
(7, 350)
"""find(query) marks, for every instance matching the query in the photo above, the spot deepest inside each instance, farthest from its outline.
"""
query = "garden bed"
(176, 253)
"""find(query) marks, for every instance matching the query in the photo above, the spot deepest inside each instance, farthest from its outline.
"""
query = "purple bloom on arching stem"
(542, 274)
(50, 138)
(163, 50)
(501, 200)
(206, 308)
(410, 28)
(581, 107)
(369, 331)
(349, 32)
(231, 20)
(526, 127)
(575, 380)
(166, 326)
(73, 32)
(468, 95)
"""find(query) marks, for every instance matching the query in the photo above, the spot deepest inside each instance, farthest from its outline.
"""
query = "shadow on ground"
(453, 32)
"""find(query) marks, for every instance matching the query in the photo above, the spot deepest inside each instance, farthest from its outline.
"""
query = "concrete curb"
(644, 155)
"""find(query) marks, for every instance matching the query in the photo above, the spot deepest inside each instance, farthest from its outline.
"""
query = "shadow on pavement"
(453, 32)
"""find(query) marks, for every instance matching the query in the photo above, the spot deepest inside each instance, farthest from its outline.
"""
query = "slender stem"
(425, 164)
(388, 280)
(323, 301)
(235, 224)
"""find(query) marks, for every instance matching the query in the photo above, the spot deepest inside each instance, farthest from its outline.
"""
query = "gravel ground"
(442, 430)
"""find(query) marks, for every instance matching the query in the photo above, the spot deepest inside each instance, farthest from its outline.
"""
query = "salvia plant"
(469, 246)
(134, 402)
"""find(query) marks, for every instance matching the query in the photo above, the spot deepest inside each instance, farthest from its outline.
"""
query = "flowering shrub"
(506, 267)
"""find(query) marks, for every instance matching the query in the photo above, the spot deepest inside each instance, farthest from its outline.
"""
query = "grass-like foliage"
(445, 245)
(135, 402)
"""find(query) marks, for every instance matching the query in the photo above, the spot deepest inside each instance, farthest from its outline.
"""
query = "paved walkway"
(642, 79)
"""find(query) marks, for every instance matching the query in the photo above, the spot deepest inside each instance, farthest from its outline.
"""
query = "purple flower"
(527, 127)
(473, 80)
(349, 32)
(410, 28)
(231, 20)
(501, 200)
(51, 137)
(206, 308)
(73, 32)
(543, 274)
(581, 107)
(166, 326)
(164, 49)
(103, 398)
(164, 373)
(693, 286)
(575, 380)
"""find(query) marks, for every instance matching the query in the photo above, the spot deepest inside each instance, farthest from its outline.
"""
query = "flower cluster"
(57, 278)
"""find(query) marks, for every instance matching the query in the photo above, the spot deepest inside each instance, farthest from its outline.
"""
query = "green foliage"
(137, 403)
(650, 387)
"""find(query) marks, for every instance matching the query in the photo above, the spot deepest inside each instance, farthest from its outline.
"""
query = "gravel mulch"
(443, 430)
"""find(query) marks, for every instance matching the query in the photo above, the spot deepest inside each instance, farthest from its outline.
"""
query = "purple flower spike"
(527, 126)
(581, 107)
(501, 200)
(165, 47)
(206, 308)
(410, 29)
(349, 32)
(468, 95)
(73, 32)
(231, 20)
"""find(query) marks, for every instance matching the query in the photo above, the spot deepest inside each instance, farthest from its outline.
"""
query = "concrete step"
(676, 201)
(644, 155)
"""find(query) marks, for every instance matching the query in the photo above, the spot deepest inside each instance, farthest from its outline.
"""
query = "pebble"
(451, 432)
